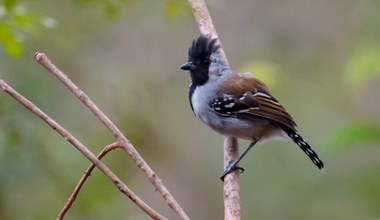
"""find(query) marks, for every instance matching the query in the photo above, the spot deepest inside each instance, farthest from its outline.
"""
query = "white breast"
(231, 126)
(201, 98)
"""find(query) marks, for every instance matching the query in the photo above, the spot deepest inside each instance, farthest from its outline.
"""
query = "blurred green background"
(321, 59)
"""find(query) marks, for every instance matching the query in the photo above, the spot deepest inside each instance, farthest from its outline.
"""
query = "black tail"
(293, 134)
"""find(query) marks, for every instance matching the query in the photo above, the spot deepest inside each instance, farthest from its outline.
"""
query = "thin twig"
(86, 174)
(231, 189)
(122, 140)
(83, 149)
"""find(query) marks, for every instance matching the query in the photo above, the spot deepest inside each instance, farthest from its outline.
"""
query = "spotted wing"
(257, 103)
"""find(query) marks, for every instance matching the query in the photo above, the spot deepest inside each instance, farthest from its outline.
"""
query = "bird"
(236, 104)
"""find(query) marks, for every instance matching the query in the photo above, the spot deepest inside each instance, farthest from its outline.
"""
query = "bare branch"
(231, 149)
(203, 18)
(83, 149)
(231, 187)
(122, 140)
(86, 174)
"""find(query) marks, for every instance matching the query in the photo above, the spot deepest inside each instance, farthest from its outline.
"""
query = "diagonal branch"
(231, 192)
(122, 140)
(83, 149)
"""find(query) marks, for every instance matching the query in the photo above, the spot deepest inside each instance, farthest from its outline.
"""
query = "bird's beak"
(188, 66)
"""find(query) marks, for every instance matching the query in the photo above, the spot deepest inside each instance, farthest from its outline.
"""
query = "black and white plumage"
(236, 104)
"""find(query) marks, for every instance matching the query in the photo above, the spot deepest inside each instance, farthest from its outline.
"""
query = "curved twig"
(86, 174)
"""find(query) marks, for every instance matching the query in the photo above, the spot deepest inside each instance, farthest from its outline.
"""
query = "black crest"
(202, 48)
(199, 58)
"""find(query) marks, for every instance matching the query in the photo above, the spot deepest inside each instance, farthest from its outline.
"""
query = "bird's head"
(205, 62)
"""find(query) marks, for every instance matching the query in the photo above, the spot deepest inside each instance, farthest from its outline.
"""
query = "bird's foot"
(232, 166)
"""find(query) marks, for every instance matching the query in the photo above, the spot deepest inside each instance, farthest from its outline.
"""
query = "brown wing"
(250, 96)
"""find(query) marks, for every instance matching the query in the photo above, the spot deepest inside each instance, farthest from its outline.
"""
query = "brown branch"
(83, 149)
(86, 174)
(231, 187)
(122, 140)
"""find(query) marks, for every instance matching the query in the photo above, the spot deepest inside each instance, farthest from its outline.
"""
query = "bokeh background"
(321, 59)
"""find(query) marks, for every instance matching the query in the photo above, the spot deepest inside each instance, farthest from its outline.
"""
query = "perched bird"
(236, 104)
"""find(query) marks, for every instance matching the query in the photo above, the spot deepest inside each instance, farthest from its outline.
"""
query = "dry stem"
(231, 181)
(231, 187)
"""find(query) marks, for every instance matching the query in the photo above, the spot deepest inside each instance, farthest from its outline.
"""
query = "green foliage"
(9, 4)
(354, 133)
(16, 23)
(364, 65)
(12, 46)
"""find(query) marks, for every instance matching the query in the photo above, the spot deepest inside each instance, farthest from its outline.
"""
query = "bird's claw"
(230, 167)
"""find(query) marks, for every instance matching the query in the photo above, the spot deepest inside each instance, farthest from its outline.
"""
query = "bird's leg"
(233, 165)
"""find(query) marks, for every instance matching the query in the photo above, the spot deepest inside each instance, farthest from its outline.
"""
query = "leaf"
(12, 46)
(364, 65)
(22, 21)
(353, 133)
(9, 4)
